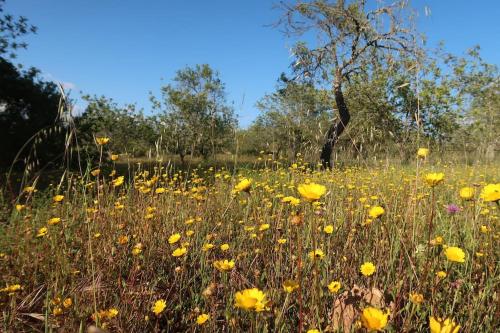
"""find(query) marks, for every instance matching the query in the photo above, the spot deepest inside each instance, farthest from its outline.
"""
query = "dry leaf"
(347, 307)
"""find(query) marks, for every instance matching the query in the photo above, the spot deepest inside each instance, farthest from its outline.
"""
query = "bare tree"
(341, 38)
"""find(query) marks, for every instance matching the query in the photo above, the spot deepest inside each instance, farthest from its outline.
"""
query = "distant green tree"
(477, 87)
(420, 104)
(130, 131)
(195, 116)
(293, 119)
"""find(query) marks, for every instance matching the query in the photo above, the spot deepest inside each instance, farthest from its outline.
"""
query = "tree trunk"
(337, 128)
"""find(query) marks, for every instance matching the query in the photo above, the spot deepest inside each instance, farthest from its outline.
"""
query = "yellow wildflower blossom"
(438, 325)
(368, 269)
(159, 306)
(454, 254)
(312, 191)
(374, 319)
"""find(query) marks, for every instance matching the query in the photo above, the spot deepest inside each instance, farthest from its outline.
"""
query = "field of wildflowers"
(275, 249)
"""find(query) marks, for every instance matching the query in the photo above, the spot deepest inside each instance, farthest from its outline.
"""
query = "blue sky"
(124, 49)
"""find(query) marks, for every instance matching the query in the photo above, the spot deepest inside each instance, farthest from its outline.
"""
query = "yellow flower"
(290, 286)
(491, 193)
(58, 198)
(438, 325)
(441, 274)
(416, 298)
(42, 232)
(54, 220)
(101, 140)
(11, 288)
(179, 252)
(160, 190)
(334, 286)
(29, 189)
(174, 238)
(103, 314)
(137, 249)
(318, 254)
(328, 229)
(224, 247)
(159, 306)
(467, 193)
(264, 226)
(437, 241)
(114, 157)
(118, 181)
(144, 189)
(281, 241)
(422, 152)
(20, 207)
(292, 200)
(432, 179)
(374, 319)
(368, 268)
(224, 265)
(111, 313)
(454, 254)
(312, 331)
(484, 212)
(202, 318)
(376, 211)
(57, 311)
(95, 172)
(67, 303)
(123, 239)
(243, 186)
(251, 299)
(312, 191)
(207, 246)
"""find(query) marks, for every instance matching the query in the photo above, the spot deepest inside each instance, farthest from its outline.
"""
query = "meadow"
(277, 248)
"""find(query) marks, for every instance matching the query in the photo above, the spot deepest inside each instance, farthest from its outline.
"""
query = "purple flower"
(452, 209)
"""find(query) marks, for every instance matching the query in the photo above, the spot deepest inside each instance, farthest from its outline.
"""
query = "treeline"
(190, 117)
(453, 105)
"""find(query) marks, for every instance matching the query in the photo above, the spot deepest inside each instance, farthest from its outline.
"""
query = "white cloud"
(68, 85)
(65, 84)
